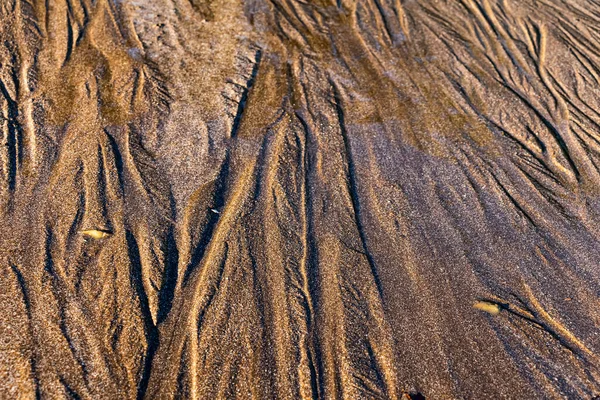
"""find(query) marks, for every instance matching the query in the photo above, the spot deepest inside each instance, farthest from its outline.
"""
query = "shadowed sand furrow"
(345, 199)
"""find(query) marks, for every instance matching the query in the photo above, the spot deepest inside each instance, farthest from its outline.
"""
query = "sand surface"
(299, 199)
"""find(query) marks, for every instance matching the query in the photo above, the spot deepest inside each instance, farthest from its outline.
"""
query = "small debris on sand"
(488, 307)
(95, 233)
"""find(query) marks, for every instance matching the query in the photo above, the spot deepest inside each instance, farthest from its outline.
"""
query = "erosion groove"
(332, 199)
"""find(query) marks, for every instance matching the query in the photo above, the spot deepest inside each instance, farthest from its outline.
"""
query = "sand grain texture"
(221, 199)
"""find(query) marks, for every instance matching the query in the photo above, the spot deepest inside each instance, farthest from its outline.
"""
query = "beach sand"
(287, 199)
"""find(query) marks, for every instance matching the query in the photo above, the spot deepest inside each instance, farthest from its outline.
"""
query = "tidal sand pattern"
(299, 199)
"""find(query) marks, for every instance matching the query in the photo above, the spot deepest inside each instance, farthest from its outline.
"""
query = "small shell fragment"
(488, 307)
(95, 233)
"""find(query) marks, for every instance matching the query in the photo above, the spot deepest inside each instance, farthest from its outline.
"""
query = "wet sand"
(225, 199)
